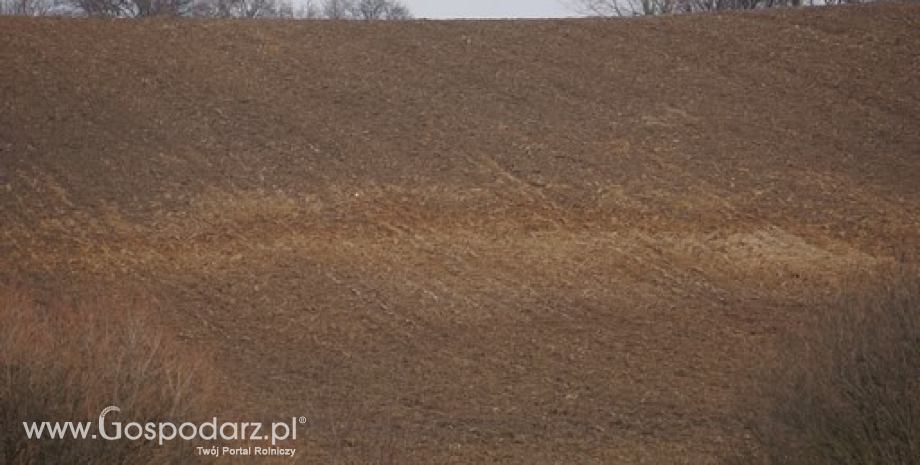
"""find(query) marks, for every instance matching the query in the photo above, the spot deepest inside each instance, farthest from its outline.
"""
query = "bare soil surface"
(564, 241)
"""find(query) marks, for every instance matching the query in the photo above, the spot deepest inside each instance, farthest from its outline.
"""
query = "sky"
(446, 9)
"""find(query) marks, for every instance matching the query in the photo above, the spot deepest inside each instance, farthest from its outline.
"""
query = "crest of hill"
(808, 116)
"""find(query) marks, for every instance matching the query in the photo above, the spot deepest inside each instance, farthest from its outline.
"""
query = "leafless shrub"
(67, 361)
(850, 392)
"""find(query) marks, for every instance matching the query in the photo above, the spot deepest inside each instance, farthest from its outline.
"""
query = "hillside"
(482, 241)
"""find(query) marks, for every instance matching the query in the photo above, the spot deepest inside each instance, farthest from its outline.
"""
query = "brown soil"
(469, 242)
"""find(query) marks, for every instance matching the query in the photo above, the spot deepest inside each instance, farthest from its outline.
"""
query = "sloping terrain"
(469, 242)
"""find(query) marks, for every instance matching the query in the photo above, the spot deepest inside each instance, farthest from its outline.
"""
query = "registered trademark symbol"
(303, 420)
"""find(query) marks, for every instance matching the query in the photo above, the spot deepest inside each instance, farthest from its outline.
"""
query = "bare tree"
(660, 7)
(379, 9)
(398, 11)
(308, 10)
(336, 9)
(29, 7)
(625, 7)
(133, 8)
(243, 9)
(146, 8)
(331, 9)
(110, 8)
(364, 9)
